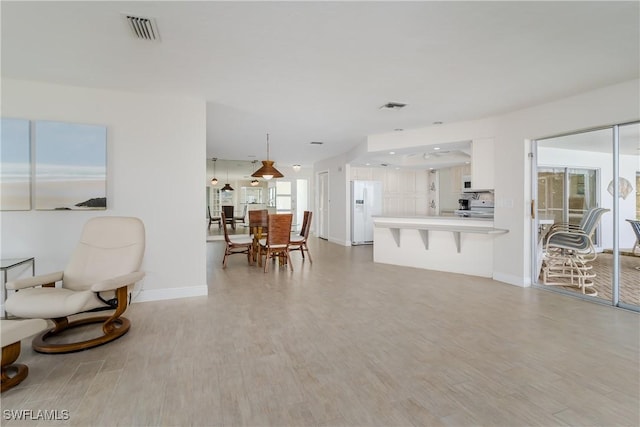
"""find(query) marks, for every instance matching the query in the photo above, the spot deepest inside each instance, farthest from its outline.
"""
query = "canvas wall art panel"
(70, 166)
(15, 165)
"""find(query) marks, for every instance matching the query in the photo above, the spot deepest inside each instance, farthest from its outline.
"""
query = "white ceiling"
(318, 71)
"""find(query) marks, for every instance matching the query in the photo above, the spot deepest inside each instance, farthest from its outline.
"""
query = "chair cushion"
(241, 240)
(16, 330)
(109, 246)
(263, 243)
(50, 302)
(296, 239)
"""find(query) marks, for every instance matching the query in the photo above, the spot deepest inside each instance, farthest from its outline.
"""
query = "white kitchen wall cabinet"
(483, 164)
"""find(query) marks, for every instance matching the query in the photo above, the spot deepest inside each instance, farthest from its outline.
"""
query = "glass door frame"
(615, 285)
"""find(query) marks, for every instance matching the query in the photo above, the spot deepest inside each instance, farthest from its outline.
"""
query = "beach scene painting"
(70, 166)
(15, 165)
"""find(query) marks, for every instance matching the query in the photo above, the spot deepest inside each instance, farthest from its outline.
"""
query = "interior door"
(323, 205)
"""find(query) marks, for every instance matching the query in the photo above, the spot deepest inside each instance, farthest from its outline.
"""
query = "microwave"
(466, 182)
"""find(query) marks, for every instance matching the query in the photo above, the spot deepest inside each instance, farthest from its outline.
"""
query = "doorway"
(323, 205)
(573, 174)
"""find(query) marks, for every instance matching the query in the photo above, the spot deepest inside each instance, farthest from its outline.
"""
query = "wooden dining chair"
(242, 218)
(213, 219)
(228, 214)
(258, 218)
(276, 244)
(236, 244)
(299, 241)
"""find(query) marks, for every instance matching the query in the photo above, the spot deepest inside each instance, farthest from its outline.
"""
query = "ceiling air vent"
(393, 106)
(316, 143)
(143, 28)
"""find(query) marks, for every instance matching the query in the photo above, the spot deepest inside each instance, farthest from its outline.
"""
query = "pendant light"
(254, 181)
(214, 180)
(267, 171)
(227, 187)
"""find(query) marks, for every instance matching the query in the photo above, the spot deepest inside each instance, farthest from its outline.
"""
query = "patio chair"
(635, 225)
(569, 252)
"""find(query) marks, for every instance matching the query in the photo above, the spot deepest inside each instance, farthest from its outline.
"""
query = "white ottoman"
(11, 333)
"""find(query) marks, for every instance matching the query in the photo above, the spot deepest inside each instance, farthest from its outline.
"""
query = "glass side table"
(7, 264)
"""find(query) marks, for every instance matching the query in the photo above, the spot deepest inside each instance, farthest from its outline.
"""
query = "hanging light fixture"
(227, 187)
(254, 181)
(214, 180)
(267, 171)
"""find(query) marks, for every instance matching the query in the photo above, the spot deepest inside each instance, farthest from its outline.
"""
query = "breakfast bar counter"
(452, 244)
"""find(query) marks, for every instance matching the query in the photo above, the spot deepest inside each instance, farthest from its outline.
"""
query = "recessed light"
(466, 163)
(430, 169)
(398, 129)
(367, 164)
(436, 148)
(397, 168)
(316, 143)
(392, 152)
(437, 123)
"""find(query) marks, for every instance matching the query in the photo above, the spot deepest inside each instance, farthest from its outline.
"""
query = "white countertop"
(432, 217)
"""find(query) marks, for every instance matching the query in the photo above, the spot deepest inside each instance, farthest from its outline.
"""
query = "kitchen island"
(452, 244)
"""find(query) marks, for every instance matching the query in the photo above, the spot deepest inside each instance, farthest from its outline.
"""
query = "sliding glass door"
(574, 174)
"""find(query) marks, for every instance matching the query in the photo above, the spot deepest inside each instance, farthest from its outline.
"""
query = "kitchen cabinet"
(457, 175)
(483, 163)
(450, 187)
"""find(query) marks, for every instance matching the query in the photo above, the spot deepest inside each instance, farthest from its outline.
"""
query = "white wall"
(511, 134)
(155, 151)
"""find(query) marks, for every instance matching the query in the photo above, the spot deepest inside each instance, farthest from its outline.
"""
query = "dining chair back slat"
(276, 243)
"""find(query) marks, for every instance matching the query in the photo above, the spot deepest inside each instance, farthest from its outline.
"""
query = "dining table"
(258, 227)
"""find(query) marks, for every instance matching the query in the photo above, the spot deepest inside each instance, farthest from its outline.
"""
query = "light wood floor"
(344, 341)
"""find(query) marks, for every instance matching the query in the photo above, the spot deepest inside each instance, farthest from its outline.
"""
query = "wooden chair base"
(12, 374)
(112, 330)
(234, 248)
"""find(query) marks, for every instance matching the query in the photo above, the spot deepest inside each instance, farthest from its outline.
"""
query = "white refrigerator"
(366, 201)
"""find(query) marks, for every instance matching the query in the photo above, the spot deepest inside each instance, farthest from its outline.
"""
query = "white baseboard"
(339, 242)
(512, 280)
(170, 293)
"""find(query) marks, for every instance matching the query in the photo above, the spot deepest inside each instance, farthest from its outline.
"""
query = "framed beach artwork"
(70, 166)
(15, 165)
